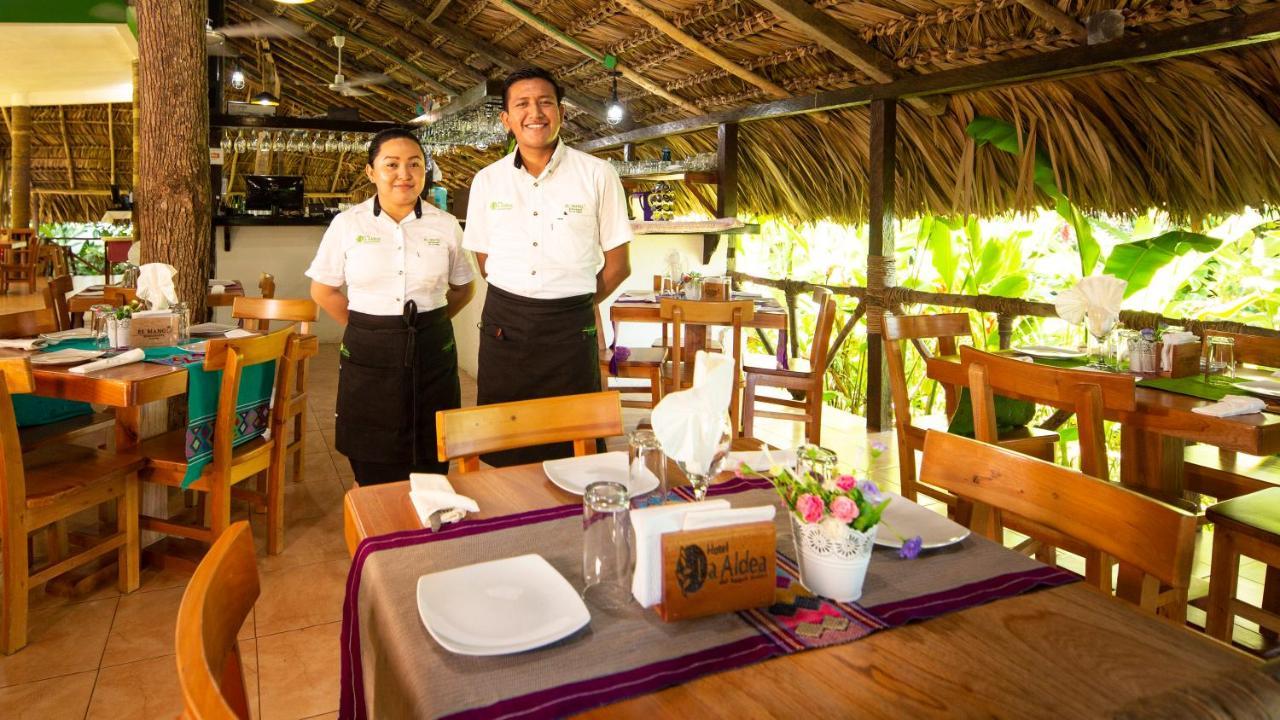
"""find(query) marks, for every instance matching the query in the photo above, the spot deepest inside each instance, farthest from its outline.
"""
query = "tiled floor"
(111, 656)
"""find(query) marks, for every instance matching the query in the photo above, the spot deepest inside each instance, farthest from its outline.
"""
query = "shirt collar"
(556, 155)
(377, 208)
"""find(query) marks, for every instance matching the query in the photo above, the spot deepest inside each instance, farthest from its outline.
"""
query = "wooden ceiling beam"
(411, 42)
(1063, 22)
(844, 44)
(561, 37)
(1229, 32)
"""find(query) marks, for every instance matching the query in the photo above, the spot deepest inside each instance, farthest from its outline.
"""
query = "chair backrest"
(24, 247)
(118, 296)
(1251, 349)
(704, 312)
(468, 432)
(267, 284)
(232, 357)
(55, 298)
(945, 328)
(1086, 393)
(27, 323)
(822, 326)
(15, 378)
(259, 312)
(1146, 534)
(218, 598)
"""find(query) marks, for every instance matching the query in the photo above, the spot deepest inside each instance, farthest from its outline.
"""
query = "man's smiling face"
(532, 113)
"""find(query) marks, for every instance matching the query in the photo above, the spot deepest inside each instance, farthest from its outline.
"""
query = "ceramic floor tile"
(143, 627)
(316, 466)
(249, 660)
(145, 689)
(313, 440)
(61, 640)
(298, 672)
(311, 499)
(52, 699)
(306, 541)
(300, 597)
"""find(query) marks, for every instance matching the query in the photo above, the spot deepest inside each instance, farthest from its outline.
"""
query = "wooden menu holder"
(153, 331)
(718, 570)
(1185, 360)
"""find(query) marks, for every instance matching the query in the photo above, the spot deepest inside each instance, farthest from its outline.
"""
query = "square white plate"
(574, 474)
(500, 607)
(910, 519)
(1266, 388)
(65, 357)
(1049, 352)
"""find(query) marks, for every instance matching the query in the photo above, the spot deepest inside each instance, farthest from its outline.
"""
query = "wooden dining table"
(83, 300)
(1068, 651)
(1153, 436)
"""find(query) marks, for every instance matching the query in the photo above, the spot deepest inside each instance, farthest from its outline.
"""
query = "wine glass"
(700, 473)
(240, 144)
(1099, 325)
(278, 143)
(227, 143)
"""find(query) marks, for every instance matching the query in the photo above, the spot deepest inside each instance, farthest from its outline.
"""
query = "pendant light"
(265, 98)
(614, 111)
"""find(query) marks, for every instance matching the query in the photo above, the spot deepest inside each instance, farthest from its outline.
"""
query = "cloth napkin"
(1096, 298)
(218, 290)
(429, 493)
(124, 358)
(1170, 339)
(649, 524)
(688, 423)
(155, 285)
(238, 333)
(761, 460)
(734, 516)
(24, 343)
(1232, 405)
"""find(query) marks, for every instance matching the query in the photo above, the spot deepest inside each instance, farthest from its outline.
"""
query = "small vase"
(834, 568)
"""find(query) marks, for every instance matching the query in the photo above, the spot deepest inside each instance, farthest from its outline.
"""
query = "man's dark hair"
(529, 73)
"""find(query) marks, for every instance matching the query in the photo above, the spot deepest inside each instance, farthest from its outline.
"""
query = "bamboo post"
(1004, 325)
(111, 143)
(880, 261)
(20, 173)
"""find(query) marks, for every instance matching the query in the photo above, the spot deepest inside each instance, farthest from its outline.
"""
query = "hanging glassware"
(227, 143)
(277, 141)
(331, 144)
(296, 141)
(240, 144)
(317, 143)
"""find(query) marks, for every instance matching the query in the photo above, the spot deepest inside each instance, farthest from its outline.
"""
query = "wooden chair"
(216, 602)
(644, 363)
(466, 433)
(1224, 474)
(20, 259)
(1248, 525)
(46, 487)
(118, 296)
(803, 375)
(680, 313)
(55, 298)
(257, 314)
(1155, 540)
(910, 431)
(166, 453)
(114, 250)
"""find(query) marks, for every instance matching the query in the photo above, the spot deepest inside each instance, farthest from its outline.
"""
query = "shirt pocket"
(576, 241)
(429, 268)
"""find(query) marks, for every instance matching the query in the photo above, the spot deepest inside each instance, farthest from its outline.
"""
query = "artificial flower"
(870, 491)
(810, 507)
(833, 528)
(844, 509)
(877, 447)
(846, 483)
(911, 548)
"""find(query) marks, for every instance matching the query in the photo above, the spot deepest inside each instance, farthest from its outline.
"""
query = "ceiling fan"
(354, 86)
(215, 39)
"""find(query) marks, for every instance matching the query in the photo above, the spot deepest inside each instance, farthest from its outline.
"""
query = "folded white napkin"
(761, 460)
(215, 282)
(217, 290)
(430, 493)
(24, 343)
(1097, 297)
(124, 358)
(155, 285)
(689, 423)
(1171, 339)
(649, 525)
(1232, 405)
(735, 516)
(239, 333)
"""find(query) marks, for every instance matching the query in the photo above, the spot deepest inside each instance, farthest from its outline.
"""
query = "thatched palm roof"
(1193, 135)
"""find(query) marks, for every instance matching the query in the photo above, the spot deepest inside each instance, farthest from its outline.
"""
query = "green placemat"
(1195, 386)
(1010, 413)
(1067, 363)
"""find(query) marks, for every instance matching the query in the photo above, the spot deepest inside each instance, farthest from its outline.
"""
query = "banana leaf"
(1138, 262)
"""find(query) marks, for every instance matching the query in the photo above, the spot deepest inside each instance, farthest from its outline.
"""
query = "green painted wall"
(62, 11)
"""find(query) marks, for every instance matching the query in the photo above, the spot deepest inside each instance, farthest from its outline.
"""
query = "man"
(548, 226)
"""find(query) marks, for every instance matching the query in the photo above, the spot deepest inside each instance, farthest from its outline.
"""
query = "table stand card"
(717, 570)
(153, 331)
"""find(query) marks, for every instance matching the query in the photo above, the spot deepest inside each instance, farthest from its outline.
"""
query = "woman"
(406, 275)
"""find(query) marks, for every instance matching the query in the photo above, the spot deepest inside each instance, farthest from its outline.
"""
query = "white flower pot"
(833, 567)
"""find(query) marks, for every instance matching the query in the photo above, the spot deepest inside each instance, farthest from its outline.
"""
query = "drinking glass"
(331, 143)
(240, 145)
(647, 463)
(296, 141)
(227, 143)
(606, 545)
(317, 143)
(813, 461)
(701, 472)
(1220, 362)
(1099, 329)
(97, 317)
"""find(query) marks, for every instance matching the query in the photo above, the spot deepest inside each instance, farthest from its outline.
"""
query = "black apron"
(534, 349)
(394, 374)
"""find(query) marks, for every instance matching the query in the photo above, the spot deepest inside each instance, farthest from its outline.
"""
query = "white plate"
(1266, 388)
(72, 334)
(65, 357)
(910, 519)
(1049, 352)
(574, 474)
(500, 607)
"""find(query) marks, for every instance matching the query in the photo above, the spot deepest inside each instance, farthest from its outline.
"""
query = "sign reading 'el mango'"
(716, 570)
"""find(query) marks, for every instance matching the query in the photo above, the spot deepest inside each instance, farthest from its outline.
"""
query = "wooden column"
(134, 163)
(20, 172)
(173, 194)
(726, 190)
(880, 256)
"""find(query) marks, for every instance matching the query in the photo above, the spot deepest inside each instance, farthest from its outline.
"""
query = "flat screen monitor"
(278, 193)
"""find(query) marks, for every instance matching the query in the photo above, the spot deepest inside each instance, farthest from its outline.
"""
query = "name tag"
(433, 242)
(367, 239)
(574, 209)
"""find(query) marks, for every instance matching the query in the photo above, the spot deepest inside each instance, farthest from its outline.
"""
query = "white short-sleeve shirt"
(384, 263)
(545, 236)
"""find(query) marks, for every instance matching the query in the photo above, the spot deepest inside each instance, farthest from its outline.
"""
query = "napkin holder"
(718, 570)
(1184, 361)
(153, 331)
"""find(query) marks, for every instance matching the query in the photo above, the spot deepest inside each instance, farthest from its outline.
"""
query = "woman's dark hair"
(529, 73)
(397, 133)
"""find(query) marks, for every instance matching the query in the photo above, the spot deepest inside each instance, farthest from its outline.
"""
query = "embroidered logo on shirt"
(433, 242)
(574, 209)
(363, 239)
(500, 205)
